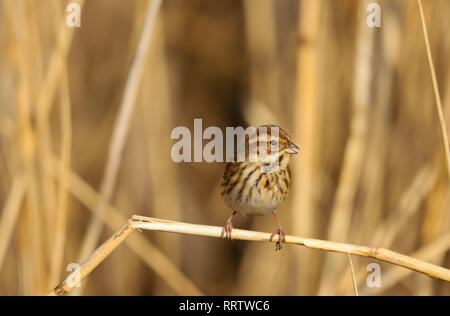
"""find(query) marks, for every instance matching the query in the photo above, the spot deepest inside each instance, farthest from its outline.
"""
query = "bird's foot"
(281, 238)
(226, 231)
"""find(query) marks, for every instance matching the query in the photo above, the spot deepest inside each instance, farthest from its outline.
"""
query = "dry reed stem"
(355, 147)
(60, 221)
(307, 115)
(154, 258)
(147, 223)
(94, 260)
(32, 87)
(261, 39)
(166, 196)
(355, 287)
(435, 87)
(121, 128)
(56, 66)
(42, 130)
(59, 60)
(154, 224)
(31, 239)
(10, 214)
(379, 139)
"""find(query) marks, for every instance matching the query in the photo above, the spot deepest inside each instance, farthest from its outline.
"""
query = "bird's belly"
(261, 202)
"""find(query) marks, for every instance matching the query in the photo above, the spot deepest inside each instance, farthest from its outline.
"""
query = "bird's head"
(272, 146)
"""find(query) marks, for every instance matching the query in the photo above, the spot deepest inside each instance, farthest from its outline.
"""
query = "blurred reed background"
(358, 101)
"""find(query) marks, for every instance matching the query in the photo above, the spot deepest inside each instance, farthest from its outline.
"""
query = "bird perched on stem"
(257, 181)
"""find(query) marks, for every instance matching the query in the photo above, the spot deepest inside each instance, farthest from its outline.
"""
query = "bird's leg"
(226, 231)
(280, 232)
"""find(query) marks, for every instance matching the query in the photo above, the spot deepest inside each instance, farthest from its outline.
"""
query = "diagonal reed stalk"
(94, 260)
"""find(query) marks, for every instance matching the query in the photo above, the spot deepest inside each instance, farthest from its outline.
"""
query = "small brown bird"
(259, 186)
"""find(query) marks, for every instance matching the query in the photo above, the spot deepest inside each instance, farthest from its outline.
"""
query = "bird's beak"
(293, 149)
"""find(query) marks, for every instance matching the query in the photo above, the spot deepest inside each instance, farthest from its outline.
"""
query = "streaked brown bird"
(259, 184)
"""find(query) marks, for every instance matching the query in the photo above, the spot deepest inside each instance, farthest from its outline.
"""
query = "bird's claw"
(281, 238)
(226, 231)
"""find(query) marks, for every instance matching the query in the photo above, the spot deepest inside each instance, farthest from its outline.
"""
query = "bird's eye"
(273, 142)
